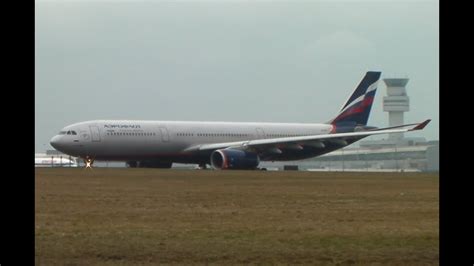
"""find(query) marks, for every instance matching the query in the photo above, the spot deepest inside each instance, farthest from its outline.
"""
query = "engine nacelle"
(234, 159)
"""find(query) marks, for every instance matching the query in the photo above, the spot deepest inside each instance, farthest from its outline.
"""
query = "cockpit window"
(69, 132)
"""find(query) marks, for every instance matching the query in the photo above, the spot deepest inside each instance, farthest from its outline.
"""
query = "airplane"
(45, 161)
(223, 145)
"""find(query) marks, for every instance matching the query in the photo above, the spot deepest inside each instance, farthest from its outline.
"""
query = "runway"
(149, 216)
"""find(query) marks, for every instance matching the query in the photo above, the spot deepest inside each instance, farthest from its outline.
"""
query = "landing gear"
(203, 166)
(88, 161)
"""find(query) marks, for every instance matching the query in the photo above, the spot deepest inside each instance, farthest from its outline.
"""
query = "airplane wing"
(274, 144)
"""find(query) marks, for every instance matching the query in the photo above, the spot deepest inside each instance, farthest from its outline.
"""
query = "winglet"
(422, 125)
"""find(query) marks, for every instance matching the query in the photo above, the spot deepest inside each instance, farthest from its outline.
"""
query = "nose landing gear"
(88, 162)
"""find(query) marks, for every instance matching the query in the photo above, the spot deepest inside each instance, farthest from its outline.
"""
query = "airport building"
(53, 158)
(58, 159)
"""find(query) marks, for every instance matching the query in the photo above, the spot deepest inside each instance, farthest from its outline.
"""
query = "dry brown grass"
(148, 216)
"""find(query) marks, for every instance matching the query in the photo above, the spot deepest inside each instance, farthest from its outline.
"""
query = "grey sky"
(232, 61)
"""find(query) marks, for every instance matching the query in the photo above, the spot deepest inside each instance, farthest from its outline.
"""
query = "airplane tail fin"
(356, 109)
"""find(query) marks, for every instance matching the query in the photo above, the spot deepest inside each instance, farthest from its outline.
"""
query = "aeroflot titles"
(122, 126)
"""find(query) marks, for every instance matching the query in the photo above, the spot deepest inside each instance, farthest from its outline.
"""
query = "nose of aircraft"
(55, 142)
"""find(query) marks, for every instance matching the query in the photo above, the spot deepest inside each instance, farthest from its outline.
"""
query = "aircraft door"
(95, 133)
(164, 134)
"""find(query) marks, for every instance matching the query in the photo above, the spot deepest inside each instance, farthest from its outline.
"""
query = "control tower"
(395, 103)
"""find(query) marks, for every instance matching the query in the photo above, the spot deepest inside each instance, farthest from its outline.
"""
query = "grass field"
(148, 216)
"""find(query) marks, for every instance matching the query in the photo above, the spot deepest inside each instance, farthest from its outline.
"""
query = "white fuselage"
(124, 140)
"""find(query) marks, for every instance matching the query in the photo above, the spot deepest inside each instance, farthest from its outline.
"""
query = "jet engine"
(234, 159)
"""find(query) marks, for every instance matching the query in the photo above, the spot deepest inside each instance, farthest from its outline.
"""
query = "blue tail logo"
(356, 109)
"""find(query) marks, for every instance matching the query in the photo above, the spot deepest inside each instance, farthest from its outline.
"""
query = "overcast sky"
(229, 60)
